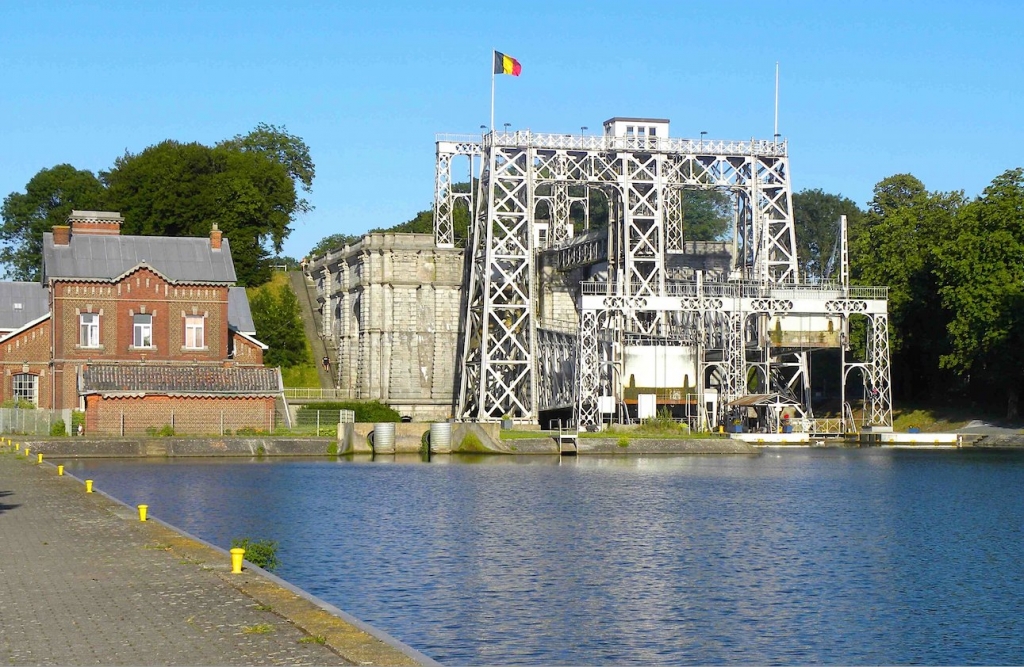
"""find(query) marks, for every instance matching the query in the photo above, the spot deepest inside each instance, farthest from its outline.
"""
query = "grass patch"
(471, 443)
(263, 607)
(300, 376)
(928, 420)
(314, 639)
(258, 629)
(158, 547)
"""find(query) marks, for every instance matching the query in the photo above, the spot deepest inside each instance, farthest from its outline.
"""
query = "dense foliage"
(278, 320)
(366, 411)
(246, 185)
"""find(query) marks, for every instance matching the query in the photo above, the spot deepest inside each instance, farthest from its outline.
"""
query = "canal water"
(851, 556)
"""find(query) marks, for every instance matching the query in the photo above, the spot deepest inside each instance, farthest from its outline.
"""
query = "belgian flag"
(506, 64)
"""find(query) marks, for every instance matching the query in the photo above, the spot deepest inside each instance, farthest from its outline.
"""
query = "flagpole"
(492, 91)
(776, 101)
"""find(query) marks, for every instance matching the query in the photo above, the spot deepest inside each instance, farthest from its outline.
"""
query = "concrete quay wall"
(171, 447)
(86, 582)
(354, 439)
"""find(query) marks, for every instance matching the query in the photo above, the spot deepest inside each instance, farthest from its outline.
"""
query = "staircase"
(305, 291)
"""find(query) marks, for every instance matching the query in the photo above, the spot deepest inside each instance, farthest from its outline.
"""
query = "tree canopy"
(980, 272)
(816, 220)
(278, 320)
(707, 214)
(48, 199)
(246, 185)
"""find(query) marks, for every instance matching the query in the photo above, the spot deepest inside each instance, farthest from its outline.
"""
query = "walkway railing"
(315, 394)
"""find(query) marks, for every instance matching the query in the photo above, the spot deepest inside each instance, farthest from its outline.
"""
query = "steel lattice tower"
(644, 177)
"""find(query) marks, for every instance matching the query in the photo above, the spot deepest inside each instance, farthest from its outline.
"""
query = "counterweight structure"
(730, 340)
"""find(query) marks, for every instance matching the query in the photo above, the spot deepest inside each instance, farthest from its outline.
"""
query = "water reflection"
(852, 556)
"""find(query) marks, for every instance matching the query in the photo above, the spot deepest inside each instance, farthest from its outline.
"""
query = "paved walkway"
(84, 582)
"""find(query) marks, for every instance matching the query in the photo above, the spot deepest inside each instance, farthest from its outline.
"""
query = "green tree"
(816, 220)
(176, 189)
(981, 268)
(707, 215)
(48, 199)
(286, 149)
(896, 245)
(278, 320)
(333, 242)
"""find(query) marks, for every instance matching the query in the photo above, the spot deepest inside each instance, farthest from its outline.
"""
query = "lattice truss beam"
(500, 336)
(875, 368)
(445, 197)
(879, 398)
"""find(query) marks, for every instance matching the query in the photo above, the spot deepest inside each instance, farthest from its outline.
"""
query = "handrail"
(314, 393)
(745, 289)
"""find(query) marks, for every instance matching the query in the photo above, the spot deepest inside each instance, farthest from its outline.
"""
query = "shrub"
(58, 428)
(261, 553)
(366, 411)
(21, 404)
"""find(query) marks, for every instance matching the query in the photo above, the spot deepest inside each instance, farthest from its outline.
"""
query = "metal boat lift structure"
(748, 333)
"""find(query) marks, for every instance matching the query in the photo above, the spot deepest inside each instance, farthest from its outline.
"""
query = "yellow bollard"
(40, 460)
(236, 560)
(60, 470)
(26, 451)
(142, 512)
(88, 486)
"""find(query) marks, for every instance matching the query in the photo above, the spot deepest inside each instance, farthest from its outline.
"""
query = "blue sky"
(867, 89)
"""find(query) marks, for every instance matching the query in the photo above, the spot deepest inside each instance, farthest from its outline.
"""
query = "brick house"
(140, 332)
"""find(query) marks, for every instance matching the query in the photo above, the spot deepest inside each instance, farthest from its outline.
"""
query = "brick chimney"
(215, 235)
(61, 235)
(106, 223)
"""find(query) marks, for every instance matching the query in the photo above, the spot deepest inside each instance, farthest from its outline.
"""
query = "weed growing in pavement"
(258, 629)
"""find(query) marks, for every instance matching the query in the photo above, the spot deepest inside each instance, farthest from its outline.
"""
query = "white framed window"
(26, 388)
(195, 332)
(89, 330)
(142, 330)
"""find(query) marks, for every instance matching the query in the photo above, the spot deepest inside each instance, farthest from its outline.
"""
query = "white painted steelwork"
(513, 366)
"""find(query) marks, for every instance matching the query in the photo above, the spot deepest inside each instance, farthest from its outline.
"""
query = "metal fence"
(23, 421)
(322, 422)
(315, 394)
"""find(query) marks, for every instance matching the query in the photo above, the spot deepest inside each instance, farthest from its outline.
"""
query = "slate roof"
(34, 300)
(107, 256)
(239, 315)
(178, 380)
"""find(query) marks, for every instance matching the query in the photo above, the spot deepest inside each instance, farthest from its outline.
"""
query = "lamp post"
(777, 135)
(506, 128)
(702, 133)
(483, 129)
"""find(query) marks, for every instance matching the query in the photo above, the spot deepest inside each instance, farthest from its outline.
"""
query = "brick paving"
(84, 582)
